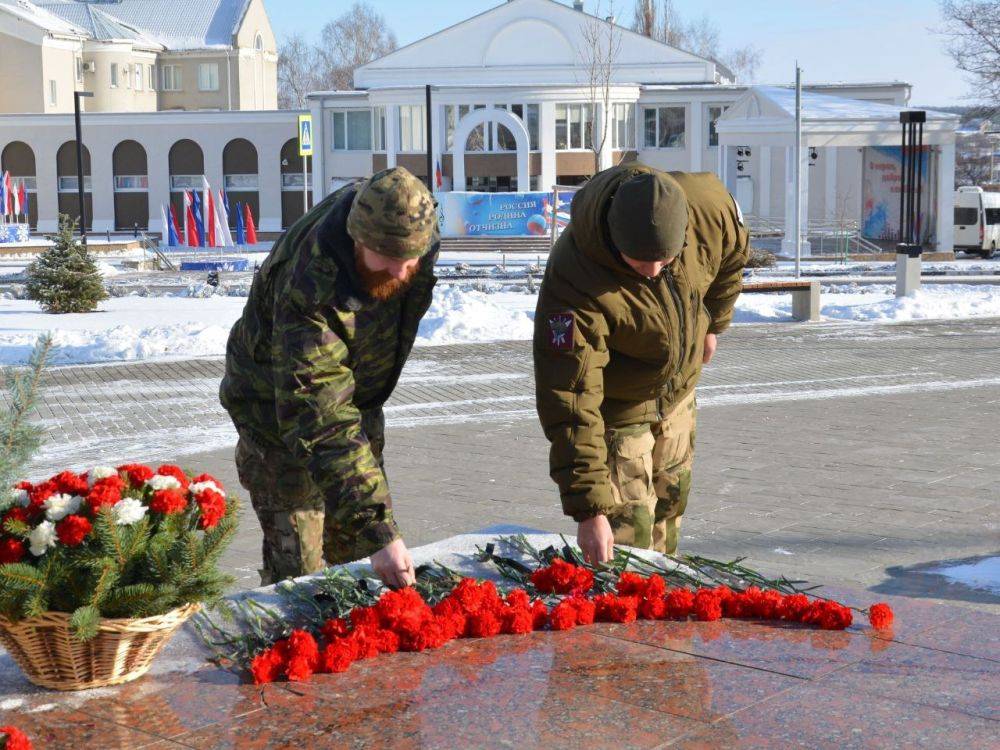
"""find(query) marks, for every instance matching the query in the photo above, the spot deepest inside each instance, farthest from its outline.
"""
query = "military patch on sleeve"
(561, 331)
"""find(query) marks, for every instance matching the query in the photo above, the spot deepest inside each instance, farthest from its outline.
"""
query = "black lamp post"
(79, 163)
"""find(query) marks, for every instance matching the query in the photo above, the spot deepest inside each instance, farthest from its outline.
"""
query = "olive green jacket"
(613, 348)
(313, 359)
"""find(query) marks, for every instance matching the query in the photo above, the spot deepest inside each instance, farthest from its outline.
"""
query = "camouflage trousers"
(650, 467)
(299, 536)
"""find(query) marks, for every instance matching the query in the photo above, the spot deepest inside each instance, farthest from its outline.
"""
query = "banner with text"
(464, 214)
(881, 189)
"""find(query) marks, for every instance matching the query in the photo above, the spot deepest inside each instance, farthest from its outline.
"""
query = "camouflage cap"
(393, 214)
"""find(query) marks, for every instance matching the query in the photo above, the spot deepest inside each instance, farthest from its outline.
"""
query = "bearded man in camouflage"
(635, 291)
(331, 318)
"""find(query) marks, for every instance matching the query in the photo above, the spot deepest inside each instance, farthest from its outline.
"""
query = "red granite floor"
(934, 682)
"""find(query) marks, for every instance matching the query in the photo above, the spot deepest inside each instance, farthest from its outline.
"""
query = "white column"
(102, 187)
(788, 243)
(158, 169)
(946, 198)
(764, 186)
(320, 159)
(269, 179)
(722, 162)
(804, 166)
(213, 163)
(547, 143)
(696, 143)
(830, 187)
(392, 136)
(47, 194)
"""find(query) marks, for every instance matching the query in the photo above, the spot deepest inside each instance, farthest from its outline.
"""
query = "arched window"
(258, 43)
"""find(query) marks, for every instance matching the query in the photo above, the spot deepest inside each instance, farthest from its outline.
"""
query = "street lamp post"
(77, 95)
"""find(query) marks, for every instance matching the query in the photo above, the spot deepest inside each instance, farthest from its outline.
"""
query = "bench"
(805, 295)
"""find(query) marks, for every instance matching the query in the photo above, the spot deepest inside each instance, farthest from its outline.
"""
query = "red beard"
(381, 285)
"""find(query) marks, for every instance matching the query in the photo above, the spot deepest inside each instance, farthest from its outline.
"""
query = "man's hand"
(711, 343)
(394, 565)
(596, 539)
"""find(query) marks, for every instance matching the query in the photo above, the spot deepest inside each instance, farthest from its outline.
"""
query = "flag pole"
(798, 170)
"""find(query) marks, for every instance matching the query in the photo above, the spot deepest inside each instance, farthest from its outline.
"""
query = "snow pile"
(878, 304)
(106, 269)
(458, 316)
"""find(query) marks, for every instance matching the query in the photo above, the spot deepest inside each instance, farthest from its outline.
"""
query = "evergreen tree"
(64, 278)
(19, 439)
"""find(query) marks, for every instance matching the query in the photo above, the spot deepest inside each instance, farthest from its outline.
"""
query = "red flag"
(22, 195)
(173, 220)
(251, 229)
(190, 225)
(210, 228)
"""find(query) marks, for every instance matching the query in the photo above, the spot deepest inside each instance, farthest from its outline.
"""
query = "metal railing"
(841, 238)
(152, 246)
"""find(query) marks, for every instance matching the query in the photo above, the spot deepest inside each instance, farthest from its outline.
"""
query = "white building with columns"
(512, 109)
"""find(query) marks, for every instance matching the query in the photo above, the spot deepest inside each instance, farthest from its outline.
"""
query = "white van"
(977, 221)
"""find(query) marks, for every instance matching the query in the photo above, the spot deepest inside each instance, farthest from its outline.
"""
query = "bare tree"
(298, 63)
(973, 31)
(602, 44)
(359, 36)
(662, 22)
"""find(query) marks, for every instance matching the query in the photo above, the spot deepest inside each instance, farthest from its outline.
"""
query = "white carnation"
(42, 538)
(199, 487)
(100, 472)
(162, 482)
(58, 507)
(128, 511)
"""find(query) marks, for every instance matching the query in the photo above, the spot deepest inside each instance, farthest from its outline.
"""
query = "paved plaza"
(859, 455)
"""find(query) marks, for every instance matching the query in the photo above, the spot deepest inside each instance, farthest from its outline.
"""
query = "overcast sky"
(846, 40)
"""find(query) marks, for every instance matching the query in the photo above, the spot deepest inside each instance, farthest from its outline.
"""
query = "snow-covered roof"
(98, 24)
(40, 17)
(193, 24)
(779, 102)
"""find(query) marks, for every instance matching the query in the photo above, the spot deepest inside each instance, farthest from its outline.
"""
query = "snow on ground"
(191, 325)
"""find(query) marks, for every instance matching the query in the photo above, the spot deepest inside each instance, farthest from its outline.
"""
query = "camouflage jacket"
(313, 359)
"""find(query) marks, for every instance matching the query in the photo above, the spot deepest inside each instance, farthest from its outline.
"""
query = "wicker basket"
(50, 656)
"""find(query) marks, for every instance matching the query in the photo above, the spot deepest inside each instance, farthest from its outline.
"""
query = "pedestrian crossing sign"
(305, 135)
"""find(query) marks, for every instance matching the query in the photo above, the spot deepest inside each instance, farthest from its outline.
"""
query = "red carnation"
(631, 584)
(103, 494)
(387, 641)
(334, 629)
(539, 614)
(169, 470)
(38, 494)
(562, 578)
(18, 514)
(707, 606)
(483, 624)
(792, 607)
(213, 508)
(518, 598)
(303, 656)
(880, 616)
(11, 550)
(14, 739)
(207, 478)
(611, 608)
(654, 608)
(70, 483)
(563, 616)
(586, 610)
(137, 474)
(72, 530)
(269, 665)
(517, 621)
(336, 657)
(680, 603)
(168, 502)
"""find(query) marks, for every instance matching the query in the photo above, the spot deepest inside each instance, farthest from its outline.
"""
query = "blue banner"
(495, 214)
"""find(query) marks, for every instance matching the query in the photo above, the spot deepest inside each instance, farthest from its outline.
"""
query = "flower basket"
(50, 656)
(98, 570)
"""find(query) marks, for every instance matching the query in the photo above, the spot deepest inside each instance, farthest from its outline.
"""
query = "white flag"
(222, 232)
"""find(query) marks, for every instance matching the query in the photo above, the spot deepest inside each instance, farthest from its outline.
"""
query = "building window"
(663, 127)
(114, 75)
(379, 130)
(238, 182)
(131, 183)
(79, 68)
(714, 113)
(208, 77)
(258, 43)
(180, 182)
(171, 77)
(574, 127)
(622, 127)
(138, 77)
(152, 78)
(53, 93)
(411, 128)
(352, 130)
(68, 184)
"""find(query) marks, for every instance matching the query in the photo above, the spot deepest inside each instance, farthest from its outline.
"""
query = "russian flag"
(173, 234)
(190, 227)
(199, 220)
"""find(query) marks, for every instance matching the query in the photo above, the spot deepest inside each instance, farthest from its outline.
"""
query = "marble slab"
(932, 683)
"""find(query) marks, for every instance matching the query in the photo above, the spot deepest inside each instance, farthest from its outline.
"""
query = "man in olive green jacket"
(635, 291)
(331, 318)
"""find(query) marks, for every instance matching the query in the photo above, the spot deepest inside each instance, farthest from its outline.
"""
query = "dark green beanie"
(648, 217)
